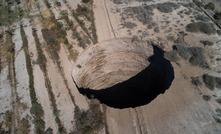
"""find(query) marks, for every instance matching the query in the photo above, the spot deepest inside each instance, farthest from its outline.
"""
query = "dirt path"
(102, 21)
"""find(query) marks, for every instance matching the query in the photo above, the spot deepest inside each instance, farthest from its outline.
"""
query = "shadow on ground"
(140, 89)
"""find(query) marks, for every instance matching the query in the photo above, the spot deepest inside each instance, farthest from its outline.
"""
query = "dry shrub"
(207, 28)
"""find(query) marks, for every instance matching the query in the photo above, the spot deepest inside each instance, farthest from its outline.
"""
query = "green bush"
(86, 1)
(36, 109)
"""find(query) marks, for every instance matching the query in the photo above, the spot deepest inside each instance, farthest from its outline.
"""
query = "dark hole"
(140, 89)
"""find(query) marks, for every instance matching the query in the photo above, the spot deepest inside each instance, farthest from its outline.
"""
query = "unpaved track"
(102, 21)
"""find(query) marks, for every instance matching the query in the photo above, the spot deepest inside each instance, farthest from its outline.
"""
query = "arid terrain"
(43, 45)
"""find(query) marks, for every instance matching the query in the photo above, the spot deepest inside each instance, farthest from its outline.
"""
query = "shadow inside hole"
(140, 89)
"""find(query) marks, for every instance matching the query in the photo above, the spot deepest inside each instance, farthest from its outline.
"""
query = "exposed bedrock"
(137, 85)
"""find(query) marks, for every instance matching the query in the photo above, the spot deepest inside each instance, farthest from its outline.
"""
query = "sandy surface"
(22, 78)
(102, 21)
(5, 93)
(79, 99)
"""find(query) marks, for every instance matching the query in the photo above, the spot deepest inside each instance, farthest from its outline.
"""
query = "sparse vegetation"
(217, 16)
(182, 51)
(47, 4)
(42, 62)
(206, 97)
(91, 120)
(58, 3)
(198, 57)
(141, 14)
(79, 66)
(196, 81)
(211, 81)
(201, 17)
(8, 14)
(195, 55)
(167, 7)
(84, 11)
(218, 111)
(6, 50)
(129, 25)
(218, 100)
(206, 28)
(86, 1)
(172, 56)
(36, 109)
(210, 6)
(206, 43)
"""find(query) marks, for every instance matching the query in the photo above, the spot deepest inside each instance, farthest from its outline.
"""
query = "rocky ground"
(40, 41)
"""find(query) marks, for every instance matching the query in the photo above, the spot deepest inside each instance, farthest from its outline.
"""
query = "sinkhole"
(122, 74)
